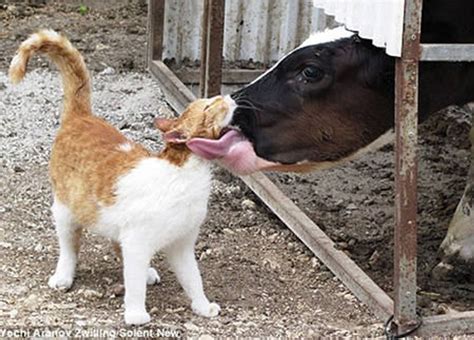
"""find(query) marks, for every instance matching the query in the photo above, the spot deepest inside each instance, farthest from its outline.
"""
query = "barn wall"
(258, 30)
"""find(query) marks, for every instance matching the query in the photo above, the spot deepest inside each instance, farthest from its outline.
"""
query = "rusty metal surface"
(447, 52)
(211, 53)
(156, 15)
(406, 111)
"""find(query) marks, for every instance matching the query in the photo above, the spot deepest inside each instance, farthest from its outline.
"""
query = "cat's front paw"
(209, 310)
(137, 318)
(60, 281)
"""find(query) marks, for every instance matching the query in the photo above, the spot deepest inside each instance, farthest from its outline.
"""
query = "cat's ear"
(164, 124)
(171, 133)
(176, 137)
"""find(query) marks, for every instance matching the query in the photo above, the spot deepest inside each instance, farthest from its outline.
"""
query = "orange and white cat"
(114, 187)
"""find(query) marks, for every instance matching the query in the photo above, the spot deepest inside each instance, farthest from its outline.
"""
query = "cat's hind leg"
(69, 237)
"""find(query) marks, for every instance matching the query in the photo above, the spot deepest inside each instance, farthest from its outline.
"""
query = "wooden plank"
(156, 17)
(307, 231)
(204, 48)
(178, 95)
(447, 324)
(211, 50)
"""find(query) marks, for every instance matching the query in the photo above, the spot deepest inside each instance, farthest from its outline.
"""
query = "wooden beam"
(178, 95)
(211, 49)
(156, 17)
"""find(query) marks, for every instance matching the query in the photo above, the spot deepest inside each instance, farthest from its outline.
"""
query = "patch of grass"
(83, 9)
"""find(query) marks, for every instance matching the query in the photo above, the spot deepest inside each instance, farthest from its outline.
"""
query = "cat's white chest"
(158, 199)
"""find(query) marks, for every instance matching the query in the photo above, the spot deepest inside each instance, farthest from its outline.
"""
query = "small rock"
(101, 47)
(5, 245)
(206, 337)
(124, 124)
(248, 204)
(13, 313)
(342, 245)
(165, 111)
(349, 297)
(18, 168)
(118, 289)
(351, 206)
(2, 86)
(81, 323)
(272, 263)
(441, 271)
(31, 301)
(228, 231)
(133, 30)
(12, 9)
(107, 71)
(443, 308)
(273, 237)
(191, 327)
(38, 248)
(315, 263)
(324, 276)
(374, 258)
(90, 293)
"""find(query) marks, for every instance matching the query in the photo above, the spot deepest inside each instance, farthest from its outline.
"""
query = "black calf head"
(321, 103)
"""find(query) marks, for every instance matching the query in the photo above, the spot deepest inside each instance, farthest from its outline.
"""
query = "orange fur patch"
(86, 162)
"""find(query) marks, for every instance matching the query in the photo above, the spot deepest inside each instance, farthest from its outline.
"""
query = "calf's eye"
(312, 73)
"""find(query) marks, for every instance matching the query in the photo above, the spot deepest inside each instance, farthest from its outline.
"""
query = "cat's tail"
(76, 80)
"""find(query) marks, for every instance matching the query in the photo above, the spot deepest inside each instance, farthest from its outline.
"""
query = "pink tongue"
(233, 150)
(214, 148)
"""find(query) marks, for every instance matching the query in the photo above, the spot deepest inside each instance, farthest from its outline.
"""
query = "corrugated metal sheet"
(258, 30)
(380, 21)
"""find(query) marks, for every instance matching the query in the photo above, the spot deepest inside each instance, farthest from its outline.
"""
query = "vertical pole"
(406, 120)
(204, 52)
(211, 49)
(156, 19)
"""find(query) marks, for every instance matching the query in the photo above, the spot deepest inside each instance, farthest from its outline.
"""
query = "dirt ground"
(265, 280)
